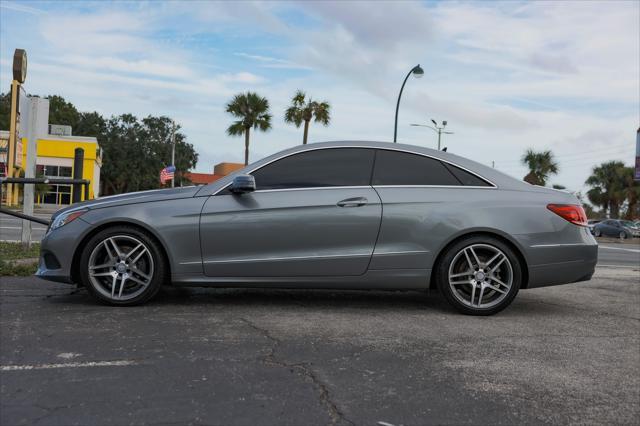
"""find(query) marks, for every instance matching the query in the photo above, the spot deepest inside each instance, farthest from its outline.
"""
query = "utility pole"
(37, 121)
(438, 129)
(173, 151)
(493, 164)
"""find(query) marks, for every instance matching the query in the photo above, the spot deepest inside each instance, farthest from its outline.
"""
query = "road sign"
(17, 159)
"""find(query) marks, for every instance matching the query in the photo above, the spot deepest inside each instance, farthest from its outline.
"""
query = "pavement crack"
(303, 369)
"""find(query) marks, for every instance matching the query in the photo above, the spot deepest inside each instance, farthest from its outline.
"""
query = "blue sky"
(506, 75)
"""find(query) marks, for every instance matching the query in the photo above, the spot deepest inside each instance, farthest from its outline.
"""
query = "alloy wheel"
(121, 267)
(480, 276)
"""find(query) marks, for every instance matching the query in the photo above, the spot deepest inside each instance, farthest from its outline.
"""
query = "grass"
(15, 260)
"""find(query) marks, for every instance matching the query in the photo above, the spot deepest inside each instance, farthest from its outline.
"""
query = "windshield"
(628, 224)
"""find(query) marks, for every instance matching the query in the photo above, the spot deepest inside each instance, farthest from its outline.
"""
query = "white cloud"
(9, 5)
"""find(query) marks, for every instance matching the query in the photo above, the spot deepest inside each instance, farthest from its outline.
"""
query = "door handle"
(353, 202)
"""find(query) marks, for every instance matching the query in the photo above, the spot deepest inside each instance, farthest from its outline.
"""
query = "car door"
(417, 193)
(611, 228)
(313, 214)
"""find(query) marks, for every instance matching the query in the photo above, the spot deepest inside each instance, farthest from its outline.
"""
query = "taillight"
(570, 212)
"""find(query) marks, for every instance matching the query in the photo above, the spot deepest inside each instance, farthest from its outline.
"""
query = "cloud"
(21, 8)
(271, 62)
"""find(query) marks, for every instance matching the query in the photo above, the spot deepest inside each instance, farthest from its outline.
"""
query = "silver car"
(341, 215)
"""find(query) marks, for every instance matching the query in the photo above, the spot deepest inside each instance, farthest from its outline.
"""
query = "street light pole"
(437, 129)
(418, 72)
(173, 151)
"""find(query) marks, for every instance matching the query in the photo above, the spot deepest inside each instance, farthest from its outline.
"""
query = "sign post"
(636, 175)
(14, 150)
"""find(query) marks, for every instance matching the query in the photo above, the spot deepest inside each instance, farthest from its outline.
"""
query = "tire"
(623, 235)
(597, 232)
(122, 266)
(489, 288)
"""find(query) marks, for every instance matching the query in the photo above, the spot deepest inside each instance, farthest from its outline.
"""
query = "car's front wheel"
(479, 275)
(122, 266)
(623, 235)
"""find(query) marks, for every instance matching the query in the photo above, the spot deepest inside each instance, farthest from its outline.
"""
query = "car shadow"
(408, 301)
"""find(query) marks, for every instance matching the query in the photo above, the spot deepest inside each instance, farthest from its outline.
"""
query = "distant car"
(616, 228)
(346, 215)
(592, 222)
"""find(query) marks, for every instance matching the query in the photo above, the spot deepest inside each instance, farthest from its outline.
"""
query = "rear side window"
(466, 178)
(401, 168)
(318, 168)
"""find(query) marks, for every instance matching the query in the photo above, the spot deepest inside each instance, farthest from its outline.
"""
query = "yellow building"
(55, 156)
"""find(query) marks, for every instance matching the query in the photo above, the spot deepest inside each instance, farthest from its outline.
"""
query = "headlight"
(65, 218)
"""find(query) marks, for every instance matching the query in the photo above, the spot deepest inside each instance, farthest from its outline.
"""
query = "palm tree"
(252, 111)
(541, 165)
(304, 110)
(607, 182)
(630, 191)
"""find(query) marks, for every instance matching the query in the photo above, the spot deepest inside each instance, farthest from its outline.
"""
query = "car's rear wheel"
(597, 232)
(479, 275)
(122, 266)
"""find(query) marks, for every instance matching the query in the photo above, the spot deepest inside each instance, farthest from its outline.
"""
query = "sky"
(507, 76)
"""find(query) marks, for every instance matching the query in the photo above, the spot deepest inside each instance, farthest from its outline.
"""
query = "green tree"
(90, 124)
(303, 110)
(134, 152)
(631, 192)
(541, 165)
(252, 111)
(63, 112)
(5, 110)
(607, 187)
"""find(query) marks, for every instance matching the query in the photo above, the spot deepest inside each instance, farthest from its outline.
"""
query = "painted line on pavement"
(121, 363)
(620, 248)
(617, 266)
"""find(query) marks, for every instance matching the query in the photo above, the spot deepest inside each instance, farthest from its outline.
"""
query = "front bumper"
(57, 250)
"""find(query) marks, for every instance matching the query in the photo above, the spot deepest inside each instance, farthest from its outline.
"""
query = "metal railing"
(35, 181)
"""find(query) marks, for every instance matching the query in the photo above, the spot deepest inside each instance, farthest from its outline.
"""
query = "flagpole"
(173, 150)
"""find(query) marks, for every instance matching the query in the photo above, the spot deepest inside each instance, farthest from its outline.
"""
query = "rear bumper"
(563, 263)
(561, 273)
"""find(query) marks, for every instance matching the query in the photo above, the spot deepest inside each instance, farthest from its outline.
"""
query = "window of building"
(401, 168)
(318, 168)
(57, 194)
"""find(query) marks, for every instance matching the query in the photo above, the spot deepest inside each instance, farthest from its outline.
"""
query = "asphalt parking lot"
(567, 355)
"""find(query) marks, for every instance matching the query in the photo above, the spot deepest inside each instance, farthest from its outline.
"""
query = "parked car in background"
(616, 228)
(592, 222)
(345, 215)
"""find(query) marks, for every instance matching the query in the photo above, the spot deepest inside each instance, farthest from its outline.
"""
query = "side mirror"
(242, 184)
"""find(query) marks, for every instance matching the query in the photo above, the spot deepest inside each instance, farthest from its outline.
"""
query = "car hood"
(132, 198)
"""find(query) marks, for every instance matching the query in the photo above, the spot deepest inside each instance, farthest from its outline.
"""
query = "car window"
(466, 178)
(318, 168)
(401, 168)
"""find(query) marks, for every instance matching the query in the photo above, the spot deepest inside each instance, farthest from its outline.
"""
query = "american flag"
(167, 174)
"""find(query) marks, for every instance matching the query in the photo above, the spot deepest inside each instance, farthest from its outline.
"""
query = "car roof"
(500, 179)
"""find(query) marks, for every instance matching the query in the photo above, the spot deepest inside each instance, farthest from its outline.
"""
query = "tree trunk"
(246, 145)
(614, 209)
(306, 132)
